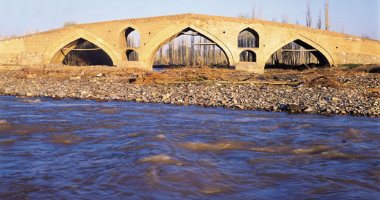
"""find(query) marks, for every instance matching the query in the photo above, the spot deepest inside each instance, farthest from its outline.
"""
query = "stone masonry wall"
(155, 31)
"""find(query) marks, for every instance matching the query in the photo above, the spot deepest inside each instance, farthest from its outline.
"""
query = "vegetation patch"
(350, 66)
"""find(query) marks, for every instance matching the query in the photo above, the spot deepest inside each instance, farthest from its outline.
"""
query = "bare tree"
(319, 22)
(171, 49)
(244, 16)
(71, 23)
(8, 37)
(192, 56)
(366, 36)
(253, 12)
(190, 49)
(309, 19)
(284, 19)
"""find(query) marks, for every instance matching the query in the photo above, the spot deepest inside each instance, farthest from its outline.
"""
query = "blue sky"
(358, 17)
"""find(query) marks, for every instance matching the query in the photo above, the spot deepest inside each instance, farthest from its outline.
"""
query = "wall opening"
(84, 53)
(297, 55)
(248, 38)
(247, 56)
(131, 38)
(132, 55)
(375, 69)
(190, 48)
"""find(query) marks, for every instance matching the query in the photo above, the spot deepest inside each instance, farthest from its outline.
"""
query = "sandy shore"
(323, 91)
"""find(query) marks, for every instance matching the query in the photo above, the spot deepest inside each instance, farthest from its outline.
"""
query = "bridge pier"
(251, 67)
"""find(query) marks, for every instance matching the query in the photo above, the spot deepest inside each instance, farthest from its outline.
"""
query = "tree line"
(190, 49)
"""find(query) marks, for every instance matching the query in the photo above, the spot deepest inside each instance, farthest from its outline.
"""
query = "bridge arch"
(130, 38)
(171, 33)
(248, 56)
(132, 55)
(321, 53)
(248, 38)
(54, 55)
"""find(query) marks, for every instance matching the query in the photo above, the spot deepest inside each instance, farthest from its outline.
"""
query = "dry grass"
(194, 75)
(66, 72)
(311, 78)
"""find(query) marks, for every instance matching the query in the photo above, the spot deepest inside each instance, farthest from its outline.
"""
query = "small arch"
(132, 55)
(248, 38)
(130, 38)
(248, 56)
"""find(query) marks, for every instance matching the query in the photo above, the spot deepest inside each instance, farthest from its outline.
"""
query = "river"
(81, 149)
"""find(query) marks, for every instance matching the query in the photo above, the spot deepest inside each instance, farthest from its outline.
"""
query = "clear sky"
(358, 17)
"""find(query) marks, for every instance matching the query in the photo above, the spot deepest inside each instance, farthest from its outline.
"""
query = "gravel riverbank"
(359, 96)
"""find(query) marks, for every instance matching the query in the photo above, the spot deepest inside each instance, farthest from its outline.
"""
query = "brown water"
(70, 149)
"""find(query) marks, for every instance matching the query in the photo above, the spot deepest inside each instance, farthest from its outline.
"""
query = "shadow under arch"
(158, 42)
(83, 53)
(321, 54)
(54, 55)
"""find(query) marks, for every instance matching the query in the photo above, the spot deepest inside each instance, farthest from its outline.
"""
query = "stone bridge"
(51, 47)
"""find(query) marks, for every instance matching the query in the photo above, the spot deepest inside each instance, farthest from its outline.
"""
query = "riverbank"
(322, 91)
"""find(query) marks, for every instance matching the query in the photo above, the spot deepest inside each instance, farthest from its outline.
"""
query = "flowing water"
(74, 149)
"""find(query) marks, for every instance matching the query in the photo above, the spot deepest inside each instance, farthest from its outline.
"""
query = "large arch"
(172, 33)
(83, 53)
(53, 55)
(306, 42)
(191, 48)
